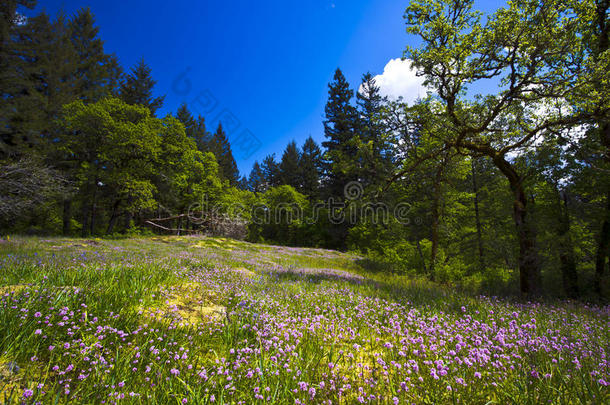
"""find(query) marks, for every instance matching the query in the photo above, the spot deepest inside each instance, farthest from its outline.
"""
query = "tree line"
(503, 189)
(68, 105)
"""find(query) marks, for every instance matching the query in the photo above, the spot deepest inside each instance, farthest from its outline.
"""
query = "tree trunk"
(128, 214)
(93, 209)
(421, 255)
(436, 213)
(529, 270)
(603, 247)
(113, 217)
(67, 217)
(179, 227)
(477, 217)
(436, 197)
(566, 248)
(85, 218)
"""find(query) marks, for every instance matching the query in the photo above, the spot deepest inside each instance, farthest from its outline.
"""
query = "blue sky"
(263, 65)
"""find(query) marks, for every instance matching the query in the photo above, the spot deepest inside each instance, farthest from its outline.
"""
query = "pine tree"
(310, 168)
(97, 73)
(195, 128)
(186, 118)
(137, 88)
(221, 148)
(202, 136)
(58, 84)
(289, 166)
(271, 171)
(40, 77)
(256, 181)
(375, 157)
(9, 16)
(339, 125)
(243, 183)
(22, 81)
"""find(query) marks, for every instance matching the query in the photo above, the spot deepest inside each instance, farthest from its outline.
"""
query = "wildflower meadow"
(186, 320)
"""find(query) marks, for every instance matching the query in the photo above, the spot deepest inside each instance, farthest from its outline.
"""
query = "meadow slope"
(201, 320)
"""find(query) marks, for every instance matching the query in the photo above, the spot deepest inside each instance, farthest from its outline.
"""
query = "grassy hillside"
(191, 320)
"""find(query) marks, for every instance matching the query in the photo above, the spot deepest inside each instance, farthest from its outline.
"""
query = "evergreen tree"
(137, 88)
(97, 73)
(310, 168)
(202, 136)
(271, 171)
(289, 166)
(221, 148)
(256, 181)
(195, 128)
(374, 156)
(57, 84)
(51, 63)
(243, 183)
(339, 125)
(186, 118)
(9, 16)
(22, 81)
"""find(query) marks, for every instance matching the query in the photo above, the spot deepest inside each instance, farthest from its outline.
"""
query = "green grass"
(202, 320)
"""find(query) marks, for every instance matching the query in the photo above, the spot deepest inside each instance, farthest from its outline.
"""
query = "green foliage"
(290, 171)
(115, 146)
(271, 171)
(137, 88)
(220, 146)
(280, 216)
(310, 168)
(340, 124)
(256, 181)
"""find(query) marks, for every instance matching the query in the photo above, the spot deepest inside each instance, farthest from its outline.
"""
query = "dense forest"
(507, 191)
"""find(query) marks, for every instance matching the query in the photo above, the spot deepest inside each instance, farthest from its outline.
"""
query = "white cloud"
(399, 79)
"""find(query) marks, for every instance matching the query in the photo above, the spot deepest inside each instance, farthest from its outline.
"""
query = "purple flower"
(28, 393)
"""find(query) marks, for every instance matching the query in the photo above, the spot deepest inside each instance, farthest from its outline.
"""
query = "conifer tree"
(97, 73)
(243, 183)
(374, 156)
(202, 136)
(9, 16)
(137, 88)
(310, 168)
(186, 118)
(271, 171)
(221, 148)
(256, 181)
(339, 126)
(22, 81)
(289, 166)
(195, 128)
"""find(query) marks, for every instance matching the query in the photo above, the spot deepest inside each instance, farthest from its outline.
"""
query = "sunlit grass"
(191, 320)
